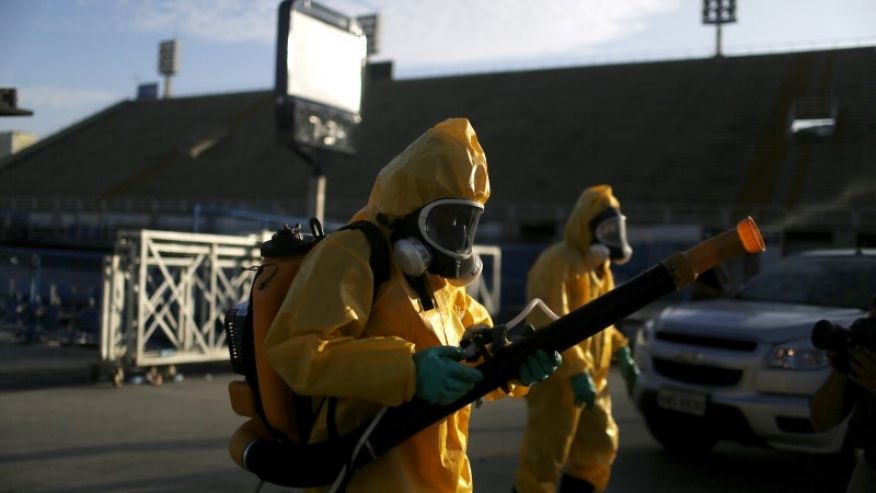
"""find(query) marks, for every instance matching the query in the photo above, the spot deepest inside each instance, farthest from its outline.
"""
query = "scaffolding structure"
(165, 295)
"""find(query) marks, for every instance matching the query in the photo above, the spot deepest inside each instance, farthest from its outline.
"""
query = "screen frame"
(303, 122)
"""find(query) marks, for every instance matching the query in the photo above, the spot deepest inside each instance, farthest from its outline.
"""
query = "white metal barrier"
(165, 294)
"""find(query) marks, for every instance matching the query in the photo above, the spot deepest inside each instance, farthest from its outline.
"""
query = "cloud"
(426, 32)
(214, 20)
(418, 32)
(62, 98)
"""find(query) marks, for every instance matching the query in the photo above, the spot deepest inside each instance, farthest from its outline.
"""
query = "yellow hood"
(447, 161)
(590, 204)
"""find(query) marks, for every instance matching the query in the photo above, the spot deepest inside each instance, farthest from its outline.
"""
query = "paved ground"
(61, 433)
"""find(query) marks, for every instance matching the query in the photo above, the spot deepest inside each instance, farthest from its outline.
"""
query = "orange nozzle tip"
(750, 236)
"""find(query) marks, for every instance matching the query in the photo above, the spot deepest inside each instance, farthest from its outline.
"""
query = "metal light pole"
(316, 191)
(719, 12)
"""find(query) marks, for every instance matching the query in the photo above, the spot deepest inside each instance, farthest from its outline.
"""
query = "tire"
(680, 434)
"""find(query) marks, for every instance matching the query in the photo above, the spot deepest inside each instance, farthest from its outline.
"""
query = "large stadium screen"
(320, 60)
(325, 63)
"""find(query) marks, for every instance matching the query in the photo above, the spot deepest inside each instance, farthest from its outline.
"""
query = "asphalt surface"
(61, 432)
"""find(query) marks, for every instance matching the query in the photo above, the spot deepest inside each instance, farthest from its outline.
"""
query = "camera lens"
(827, 335)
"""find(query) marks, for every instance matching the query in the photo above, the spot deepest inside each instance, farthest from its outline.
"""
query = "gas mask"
(438, 238)
(609, 233)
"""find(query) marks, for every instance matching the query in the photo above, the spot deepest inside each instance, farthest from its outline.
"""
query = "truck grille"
(706, 341)
(697, 374)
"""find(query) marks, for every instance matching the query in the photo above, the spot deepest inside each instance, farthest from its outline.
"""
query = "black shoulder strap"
(379, 256)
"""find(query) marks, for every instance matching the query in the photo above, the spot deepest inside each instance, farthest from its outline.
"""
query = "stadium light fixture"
(9, 103)
(168, 62)
(719, 12)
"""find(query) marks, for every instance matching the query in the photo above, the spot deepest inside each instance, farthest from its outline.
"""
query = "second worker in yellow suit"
(570, 427)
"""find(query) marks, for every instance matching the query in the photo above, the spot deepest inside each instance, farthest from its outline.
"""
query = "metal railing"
(82, 221)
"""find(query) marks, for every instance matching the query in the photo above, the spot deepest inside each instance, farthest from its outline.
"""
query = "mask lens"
(451, 226)
(612, 231)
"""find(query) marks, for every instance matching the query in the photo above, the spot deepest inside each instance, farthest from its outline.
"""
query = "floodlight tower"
(719, 12)
(168, 62)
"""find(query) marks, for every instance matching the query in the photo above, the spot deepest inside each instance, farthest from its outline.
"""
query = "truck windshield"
(841, 281)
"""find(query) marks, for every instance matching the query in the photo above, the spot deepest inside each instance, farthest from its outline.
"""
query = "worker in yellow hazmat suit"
(570, 427)
(329, 339)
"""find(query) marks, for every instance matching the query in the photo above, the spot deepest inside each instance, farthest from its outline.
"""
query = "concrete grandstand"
(701, 141)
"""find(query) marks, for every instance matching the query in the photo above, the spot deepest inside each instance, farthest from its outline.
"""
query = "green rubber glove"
(584, 390)
(538, 366)
(441, 379)
(629, 369)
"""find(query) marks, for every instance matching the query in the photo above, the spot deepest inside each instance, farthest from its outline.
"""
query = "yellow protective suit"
(329, 340)
(560, 434)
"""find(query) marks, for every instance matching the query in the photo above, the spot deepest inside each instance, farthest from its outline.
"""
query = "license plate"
(682, 401)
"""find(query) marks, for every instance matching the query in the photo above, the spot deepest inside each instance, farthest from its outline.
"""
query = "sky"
(69, 59)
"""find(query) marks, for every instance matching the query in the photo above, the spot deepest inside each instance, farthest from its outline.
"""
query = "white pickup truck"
(743, 368)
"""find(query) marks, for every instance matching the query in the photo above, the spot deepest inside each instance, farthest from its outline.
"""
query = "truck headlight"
(796, 355)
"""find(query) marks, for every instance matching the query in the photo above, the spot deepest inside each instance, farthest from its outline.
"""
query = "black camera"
(829, 336)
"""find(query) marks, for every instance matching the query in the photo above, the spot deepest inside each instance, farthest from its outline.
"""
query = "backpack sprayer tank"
(264, 397)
